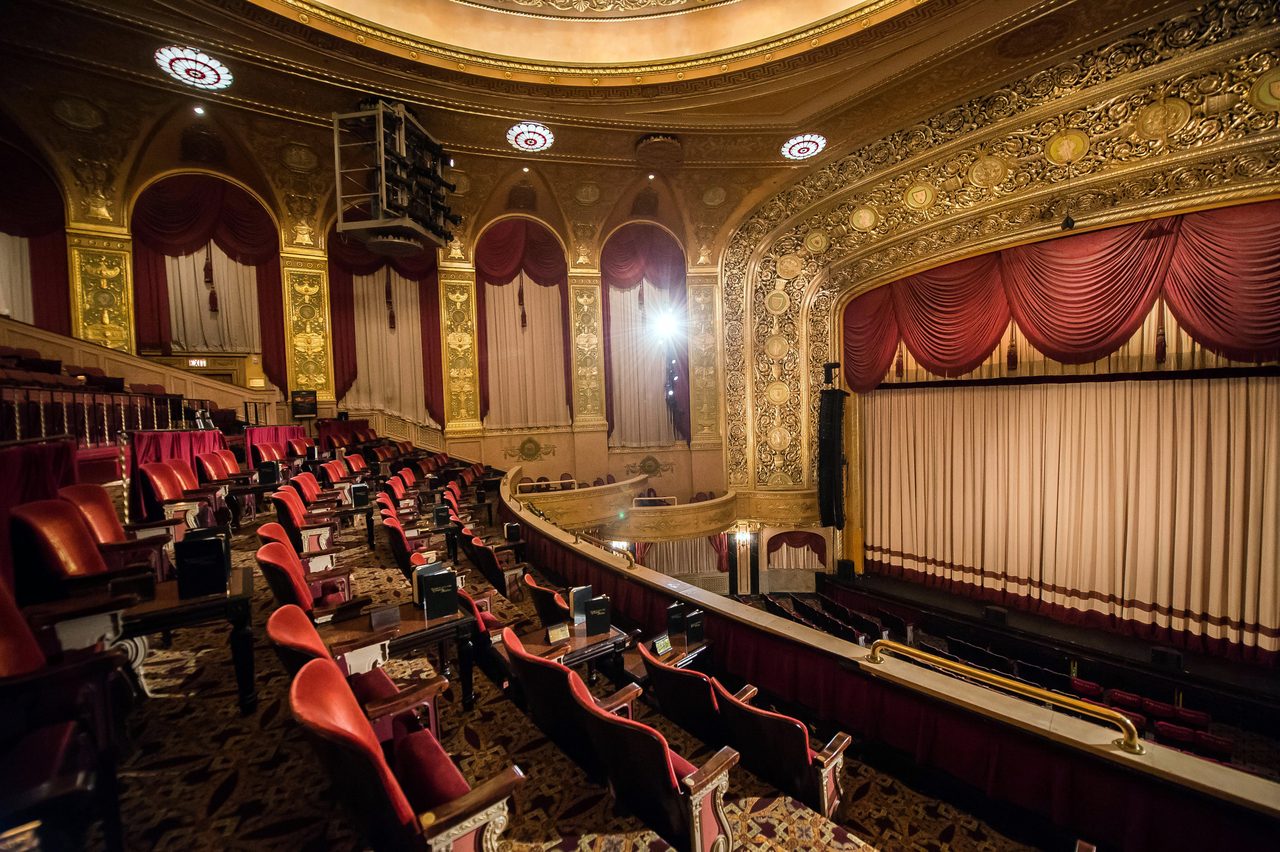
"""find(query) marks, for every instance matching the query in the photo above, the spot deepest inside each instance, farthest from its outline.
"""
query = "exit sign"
(197, 362)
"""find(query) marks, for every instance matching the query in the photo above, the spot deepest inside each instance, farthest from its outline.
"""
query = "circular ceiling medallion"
(1163, 118)
(193, 67)
(299, 158)
(777, 303)
(1265, 93)
(804, 146)
(920, 196)
(586, 193)
(530, 136)
(988, 171)
(714, 196)
(779, 438)
(776, 347)
(777, 393)
(789, 266)
(78, 114)
(863, 218)
(817, 241)
(1067, 146)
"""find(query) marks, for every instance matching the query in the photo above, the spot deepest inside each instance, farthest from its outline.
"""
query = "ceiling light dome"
(804, 146)
(531, 136)
(193, 67)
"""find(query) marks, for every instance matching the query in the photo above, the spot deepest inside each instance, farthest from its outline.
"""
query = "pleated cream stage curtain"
(788, 558)
(388, 361)
(526, 364)
(234, 328)
(640, 414)
(1155, 502)
(690, 556)
(15, 279)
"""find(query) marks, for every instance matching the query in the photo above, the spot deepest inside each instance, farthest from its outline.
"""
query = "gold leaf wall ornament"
(588, 353)
(650, 466)
(461, 362)
(306, 309)
(101, 290)
(1222, 153)
(529, 450)
(704, 383)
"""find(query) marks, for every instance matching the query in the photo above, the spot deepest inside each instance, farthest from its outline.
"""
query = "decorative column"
(101, 265)
(461, 358)
(588, 353)
(308, 338)
(704, 372)
(852, 535)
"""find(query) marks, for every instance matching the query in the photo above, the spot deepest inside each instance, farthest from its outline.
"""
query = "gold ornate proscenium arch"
(1173, 129)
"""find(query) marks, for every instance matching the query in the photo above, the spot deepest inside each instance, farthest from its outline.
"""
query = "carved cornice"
(975, 177)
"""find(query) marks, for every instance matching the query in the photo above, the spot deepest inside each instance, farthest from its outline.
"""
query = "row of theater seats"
(839, 620)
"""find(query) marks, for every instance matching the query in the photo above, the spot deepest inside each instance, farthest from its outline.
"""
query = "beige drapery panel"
(688, 556)
(526, 364)
(15, 279)
(641, 417)
(1152, 501)
(788, 558)
(234, 328)
(388, 361)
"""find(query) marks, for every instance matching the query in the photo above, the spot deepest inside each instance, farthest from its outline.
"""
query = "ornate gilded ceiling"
(596, 9)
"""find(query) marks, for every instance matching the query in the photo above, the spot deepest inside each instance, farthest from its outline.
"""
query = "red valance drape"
(504, 251)
(348, 258)
(31, 206)
(1080, 297)
(644, 252)
(798, 539)
(180, 215)
(720, 544)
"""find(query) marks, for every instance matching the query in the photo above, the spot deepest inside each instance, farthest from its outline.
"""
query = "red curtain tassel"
(1013, 356)
(524, 319)
(208, 278)
(1161, 347)
(213, 300)
(391, 319)
(898, 367)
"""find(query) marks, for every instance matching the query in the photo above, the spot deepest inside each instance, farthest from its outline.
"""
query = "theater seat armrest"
(834, 749)
(480, 799)
(41, 615)
(621, 699)
(484, 602)
(135, 544)
(153, 525)
(316, 526)
(709, 773)
(90, 583)
(406, 699)
(331, 574)
(340, 648)
(747, 693)
(557, 653)
(343, 611)
(198, 493)
(328, 551)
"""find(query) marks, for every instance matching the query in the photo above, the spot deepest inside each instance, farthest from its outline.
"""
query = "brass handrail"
(1129, 742)
(609, 548)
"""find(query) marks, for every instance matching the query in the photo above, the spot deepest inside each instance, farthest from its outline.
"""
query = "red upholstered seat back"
(211, 466)
(546, 686)
(397, 488)
(284, 574)
(329, 713)
(229, 460)
(399, 542)
(409, 477)
(19, 651)
(310, 488)
(51, 534)
(773, 746)
(686, 698)
(163, 480)
(549, 604)
(293, 504)
(295, 638)
(356, 462)
(185, 474)
(273, 532)
(93, 502)
(298, 446)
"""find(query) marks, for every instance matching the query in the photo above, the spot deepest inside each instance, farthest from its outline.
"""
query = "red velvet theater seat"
(388, 709)
(163, 497)
(119, 544)
(679, 801)
(322, 595)
(309, 531)
(687, 698)
(216, 493)
(549, 603)
(312, 560)
(417, 802)
(547, 688)
(776, 748)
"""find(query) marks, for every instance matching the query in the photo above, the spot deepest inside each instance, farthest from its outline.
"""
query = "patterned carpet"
(203, 777)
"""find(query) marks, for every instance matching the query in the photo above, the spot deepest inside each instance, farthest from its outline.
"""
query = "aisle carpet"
(203, 777)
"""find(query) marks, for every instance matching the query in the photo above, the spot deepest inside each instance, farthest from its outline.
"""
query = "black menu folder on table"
(693, 630)
(203, 562)
(579, 598)
(597, 621)
(439, 592)
(675, 618)
(441, 514)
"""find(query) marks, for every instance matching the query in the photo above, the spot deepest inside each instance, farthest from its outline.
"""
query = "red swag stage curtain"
(798, 539)
(31, 472)
(1079, 298)
(348, 258)
(148, 447)
(31, 207)
(504, 251)
(720, 544)
(643, 252)
(180, 215)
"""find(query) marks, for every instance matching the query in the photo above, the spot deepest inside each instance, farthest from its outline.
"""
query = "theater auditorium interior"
(640, 425)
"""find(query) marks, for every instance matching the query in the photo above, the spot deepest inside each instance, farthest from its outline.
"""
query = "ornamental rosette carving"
(976, 177)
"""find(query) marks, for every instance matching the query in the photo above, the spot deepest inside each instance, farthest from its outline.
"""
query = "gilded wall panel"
(461, 360)
(704, 373)
(674, 523)
(306, 312)
(101, 289)
(588, 351)
(791, 509)
(1164, 120)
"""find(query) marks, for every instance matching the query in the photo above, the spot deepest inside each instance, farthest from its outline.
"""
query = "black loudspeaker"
(995, 615)
(831, 458)
(846, 570)
(1167, 659)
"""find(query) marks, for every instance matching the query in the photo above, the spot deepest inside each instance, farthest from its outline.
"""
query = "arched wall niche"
(669, 213)
(548, 213)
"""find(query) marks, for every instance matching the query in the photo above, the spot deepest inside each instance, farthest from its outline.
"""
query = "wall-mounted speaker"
(995, 615)
(831, 458)
(1167, 659)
